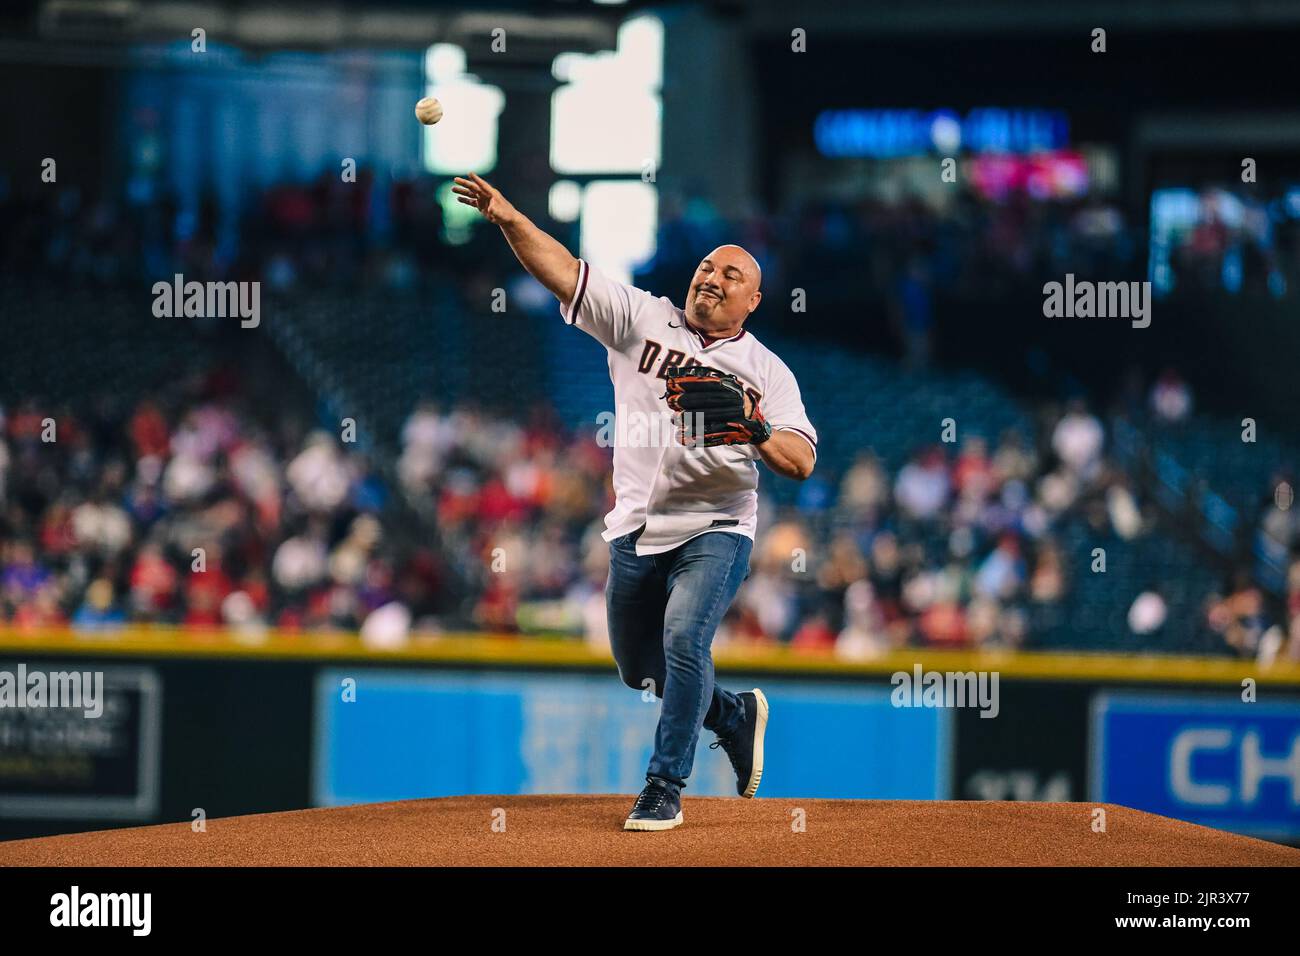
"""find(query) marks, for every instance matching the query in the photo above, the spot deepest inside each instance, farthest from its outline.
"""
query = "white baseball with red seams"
(678, 493)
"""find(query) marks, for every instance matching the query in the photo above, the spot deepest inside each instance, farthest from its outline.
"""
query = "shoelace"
(726, 743)
(651, 799)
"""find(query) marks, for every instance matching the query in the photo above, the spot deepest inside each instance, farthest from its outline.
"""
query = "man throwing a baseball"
(683, 523)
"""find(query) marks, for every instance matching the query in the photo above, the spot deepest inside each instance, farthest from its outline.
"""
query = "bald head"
(724, 291)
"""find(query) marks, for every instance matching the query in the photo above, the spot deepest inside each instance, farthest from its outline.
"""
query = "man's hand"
(545, 259)
(479, 193)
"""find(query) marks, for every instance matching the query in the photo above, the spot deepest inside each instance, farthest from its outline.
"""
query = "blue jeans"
(663, 610)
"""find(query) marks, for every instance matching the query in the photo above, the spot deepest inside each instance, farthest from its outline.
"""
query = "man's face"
(724, 290)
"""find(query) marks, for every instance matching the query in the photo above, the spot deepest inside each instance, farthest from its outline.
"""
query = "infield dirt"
(587, 830)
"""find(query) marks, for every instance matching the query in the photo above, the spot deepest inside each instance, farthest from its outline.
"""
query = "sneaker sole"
(760, 726)
(645, 825)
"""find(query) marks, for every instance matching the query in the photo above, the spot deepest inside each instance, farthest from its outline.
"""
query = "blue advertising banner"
(1212, 760)
(395, 735)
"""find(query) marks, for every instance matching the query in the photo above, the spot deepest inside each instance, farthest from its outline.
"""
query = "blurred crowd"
(192, 512)
(906, 251)
(1243, 614)
(394, 233)
(324, 232)
(196, 510)
(1236, 241)
(958, 547)
(898, 256)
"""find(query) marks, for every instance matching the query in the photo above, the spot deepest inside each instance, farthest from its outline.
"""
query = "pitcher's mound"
(587, 830)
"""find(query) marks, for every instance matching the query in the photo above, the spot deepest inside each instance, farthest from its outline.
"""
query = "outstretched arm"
(542, 255)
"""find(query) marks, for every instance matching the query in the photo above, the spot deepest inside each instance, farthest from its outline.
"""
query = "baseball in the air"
(428, 111)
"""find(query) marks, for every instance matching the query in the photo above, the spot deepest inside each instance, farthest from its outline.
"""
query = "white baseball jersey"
(676, 492)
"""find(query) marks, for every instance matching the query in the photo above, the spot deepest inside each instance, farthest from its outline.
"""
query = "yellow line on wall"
(512, 650)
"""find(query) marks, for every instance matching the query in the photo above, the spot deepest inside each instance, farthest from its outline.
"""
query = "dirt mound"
(587, 830)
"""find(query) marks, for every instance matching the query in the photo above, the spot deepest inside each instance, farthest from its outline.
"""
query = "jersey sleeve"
(782, 405)
(604, 309)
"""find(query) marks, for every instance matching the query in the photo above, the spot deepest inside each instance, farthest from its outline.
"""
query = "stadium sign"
(1212, 760)
(892, 133)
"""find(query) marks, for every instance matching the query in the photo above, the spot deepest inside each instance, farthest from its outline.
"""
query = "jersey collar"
(708, 340)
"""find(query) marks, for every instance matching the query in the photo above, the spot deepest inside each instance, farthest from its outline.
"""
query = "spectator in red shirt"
(149, 433)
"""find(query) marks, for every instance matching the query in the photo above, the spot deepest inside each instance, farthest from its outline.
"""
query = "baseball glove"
(711, 408)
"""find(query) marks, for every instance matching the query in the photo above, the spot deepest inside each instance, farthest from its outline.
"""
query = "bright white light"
(565, 201)
(945, 132)
(641, 51)
(600, 129)
(619, 219)
(563, 66)
(443, 62)
(608, 116)
(466, 138)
